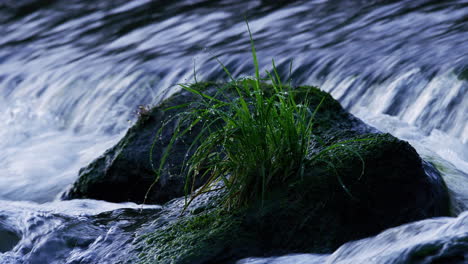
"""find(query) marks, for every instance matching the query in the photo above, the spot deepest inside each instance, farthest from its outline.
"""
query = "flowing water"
(73, 73)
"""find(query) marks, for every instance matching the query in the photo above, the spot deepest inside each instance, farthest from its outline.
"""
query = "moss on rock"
(313, 215)
(124, 172)
(361, 183)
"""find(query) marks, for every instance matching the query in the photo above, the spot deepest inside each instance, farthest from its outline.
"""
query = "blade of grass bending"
(356, 140)
(226, 70)
(158, 133)
(186, 87)
(277, 75)
(242, 101)
(290, 73)
(194, 72)
(197, 139)
(192, 188)
(340, 180)
(176, 107)
(316, 110)
(254, 56)
(175, 136)
(163, 158)
(273, 81)
(360, 158)
(201, 190)
(340, 145)
(275, 85)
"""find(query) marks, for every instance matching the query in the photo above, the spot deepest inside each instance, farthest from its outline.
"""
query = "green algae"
(193, 239)
(312, 214)
(348, 192)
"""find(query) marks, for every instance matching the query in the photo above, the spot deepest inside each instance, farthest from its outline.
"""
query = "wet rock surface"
(125, 173)
(367, 183)
(8, 238)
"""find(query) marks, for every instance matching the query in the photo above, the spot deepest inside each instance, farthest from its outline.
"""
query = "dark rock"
(8, 237)
(368, 186)
(359, 183)
(314, 215)
(124, 172)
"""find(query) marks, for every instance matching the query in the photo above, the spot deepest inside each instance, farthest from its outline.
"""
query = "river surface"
(73, 74)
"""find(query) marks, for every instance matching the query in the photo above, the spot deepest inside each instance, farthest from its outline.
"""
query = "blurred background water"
(73, 73)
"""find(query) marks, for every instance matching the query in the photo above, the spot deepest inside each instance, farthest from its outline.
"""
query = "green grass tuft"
(255, 141)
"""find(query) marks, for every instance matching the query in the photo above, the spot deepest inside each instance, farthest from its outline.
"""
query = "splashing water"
(73, 73)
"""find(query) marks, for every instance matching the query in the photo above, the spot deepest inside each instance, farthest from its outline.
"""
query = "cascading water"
(73, 73)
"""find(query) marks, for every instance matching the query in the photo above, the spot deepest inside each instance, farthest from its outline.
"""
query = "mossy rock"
(337, 201)
(370, 183)
(124, 172)
(359, 183)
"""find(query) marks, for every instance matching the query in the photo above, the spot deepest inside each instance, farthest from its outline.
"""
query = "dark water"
(72, 74)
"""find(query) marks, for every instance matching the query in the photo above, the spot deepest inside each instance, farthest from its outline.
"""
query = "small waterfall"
(73, 74)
